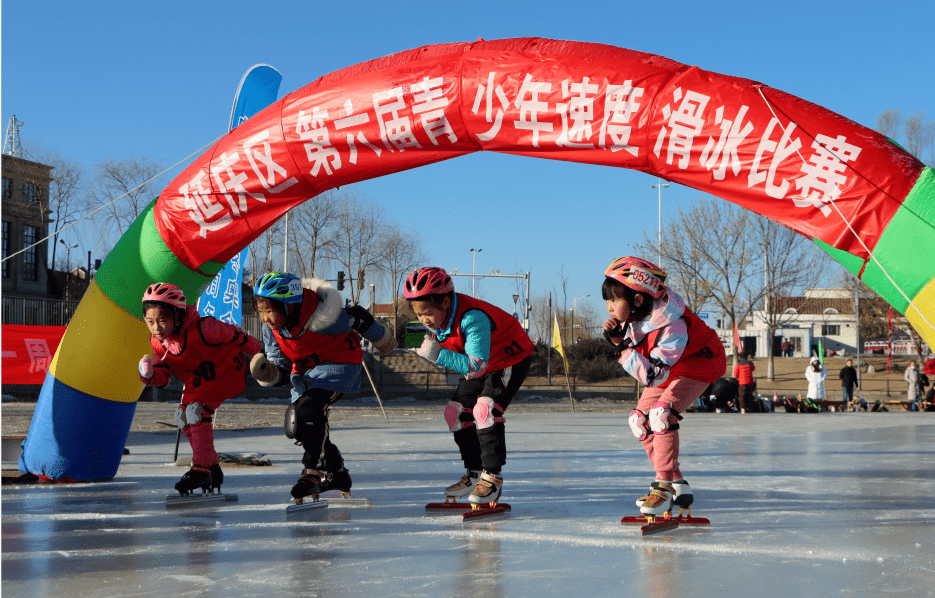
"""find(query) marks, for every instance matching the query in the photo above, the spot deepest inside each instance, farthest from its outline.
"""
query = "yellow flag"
(557, 343)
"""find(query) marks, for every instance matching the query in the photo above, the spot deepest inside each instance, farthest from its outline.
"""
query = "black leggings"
(313, 431)
(486, 449)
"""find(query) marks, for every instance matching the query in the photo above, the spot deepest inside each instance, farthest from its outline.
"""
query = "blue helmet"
(281, 286)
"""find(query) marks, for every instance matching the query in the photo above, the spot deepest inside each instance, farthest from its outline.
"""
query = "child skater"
(311, 341)
(493, 352)
(669, 350)
(207, 356)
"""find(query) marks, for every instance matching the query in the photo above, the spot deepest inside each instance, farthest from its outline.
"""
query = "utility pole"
(659, 186)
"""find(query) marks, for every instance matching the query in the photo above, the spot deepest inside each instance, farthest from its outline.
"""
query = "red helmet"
(638, 274)
(164, 292)
(428, 281)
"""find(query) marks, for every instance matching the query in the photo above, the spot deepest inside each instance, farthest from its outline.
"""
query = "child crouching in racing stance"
(673, 353)
(207, 356)
(311, 340)
(493, 352)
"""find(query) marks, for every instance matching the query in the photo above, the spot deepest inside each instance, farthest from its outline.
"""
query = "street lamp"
(574, 303)
(68, 249)
(659, 186)
(474, 253)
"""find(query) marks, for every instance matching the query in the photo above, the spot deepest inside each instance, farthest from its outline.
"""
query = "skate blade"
(305, 505)
(659, 526)
(459, 506)
(682, 520)
(339, 500)
(485, 511)
(175, 500)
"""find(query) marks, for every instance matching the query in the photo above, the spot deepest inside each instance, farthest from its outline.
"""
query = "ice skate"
(309, 485)
(217, 476)
(336, 489)
(488, 489)
(198, 476)
(658, 501)
(462, 487)
(339, 480)
(683, 494)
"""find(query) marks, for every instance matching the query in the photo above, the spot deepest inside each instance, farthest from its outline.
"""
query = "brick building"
(25, 215)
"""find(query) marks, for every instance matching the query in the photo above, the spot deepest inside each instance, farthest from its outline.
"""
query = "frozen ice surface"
(832, 504)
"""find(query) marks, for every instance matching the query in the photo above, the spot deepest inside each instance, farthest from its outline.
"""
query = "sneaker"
(488, 489)
(465, 486)
(309, 484)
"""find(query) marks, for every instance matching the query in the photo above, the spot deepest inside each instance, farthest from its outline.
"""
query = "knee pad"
(639, 424)
(291, 422)
(193, 413)
(659, 418)
(452, 412)
(485, 413)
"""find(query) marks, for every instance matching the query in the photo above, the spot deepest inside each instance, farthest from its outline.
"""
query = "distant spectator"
(912, 379)
(743, 371)
(786, 348)
(848, 376)
(816, 374)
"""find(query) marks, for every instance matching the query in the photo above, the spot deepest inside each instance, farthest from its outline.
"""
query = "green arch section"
(141, 258)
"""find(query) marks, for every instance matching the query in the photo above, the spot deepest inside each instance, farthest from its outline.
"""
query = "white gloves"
(265, 372)
(387, 343)
(146, 367)
(429, 349)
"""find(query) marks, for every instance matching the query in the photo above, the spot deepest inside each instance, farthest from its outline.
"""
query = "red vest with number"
(509, 343)
(703, 358)
(311, 348)
(211, 373)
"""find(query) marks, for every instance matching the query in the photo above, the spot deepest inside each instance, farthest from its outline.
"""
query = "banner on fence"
(28, 351)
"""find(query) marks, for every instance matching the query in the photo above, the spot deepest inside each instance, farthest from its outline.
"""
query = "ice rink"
(830, 504)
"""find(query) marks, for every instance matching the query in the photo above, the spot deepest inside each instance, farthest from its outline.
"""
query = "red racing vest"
(509, 343)
(310, 349)
(210, 373)
(703, 358)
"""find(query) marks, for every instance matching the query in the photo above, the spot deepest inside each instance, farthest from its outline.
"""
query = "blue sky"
(109, 80)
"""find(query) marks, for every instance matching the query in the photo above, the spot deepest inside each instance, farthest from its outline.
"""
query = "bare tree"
(131, 182)
(67, 202)
(264, 250)
(789, 264)
(890, 123)
(400, 252)
(713, 245)
(312, 229)
(358, 229)
(916, 133)
(920, 133)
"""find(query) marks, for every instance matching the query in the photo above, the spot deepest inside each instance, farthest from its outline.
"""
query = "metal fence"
(37, 312)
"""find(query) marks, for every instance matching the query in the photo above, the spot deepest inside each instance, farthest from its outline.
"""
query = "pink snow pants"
(663, 449)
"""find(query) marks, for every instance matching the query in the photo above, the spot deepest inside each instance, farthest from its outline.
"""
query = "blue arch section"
(66, 440)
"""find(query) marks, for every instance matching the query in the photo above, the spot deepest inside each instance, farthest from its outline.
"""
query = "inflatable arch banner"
(864, 200)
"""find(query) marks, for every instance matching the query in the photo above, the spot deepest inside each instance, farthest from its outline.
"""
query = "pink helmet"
(164, 292)
(638, 274)
(428, 281)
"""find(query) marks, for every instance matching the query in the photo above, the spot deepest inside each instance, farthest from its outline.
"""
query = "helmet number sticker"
(295, 287)
(642, 277)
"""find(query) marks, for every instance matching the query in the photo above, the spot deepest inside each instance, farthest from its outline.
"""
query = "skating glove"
(361, 319)
(429, 349)
(146, 367)
(616, 336)
(387, 343)
(265, 372)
